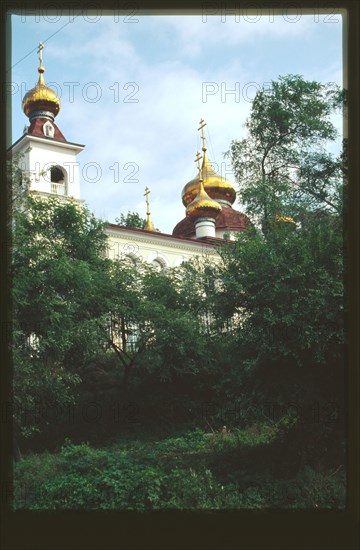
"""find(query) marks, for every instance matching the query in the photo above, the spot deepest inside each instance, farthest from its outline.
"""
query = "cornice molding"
(163, 241)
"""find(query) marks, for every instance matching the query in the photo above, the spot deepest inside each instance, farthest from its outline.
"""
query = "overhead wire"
(44, 41)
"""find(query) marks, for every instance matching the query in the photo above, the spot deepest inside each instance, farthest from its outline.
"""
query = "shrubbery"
(175, 473)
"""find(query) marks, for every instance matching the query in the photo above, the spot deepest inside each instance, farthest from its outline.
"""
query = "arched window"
(159, 264)
(158, 260)
(58, 180)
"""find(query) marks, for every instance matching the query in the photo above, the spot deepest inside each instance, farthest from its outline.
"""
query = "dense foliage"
(191, 471)
(284, 166)
(58, 269)
(132, 219)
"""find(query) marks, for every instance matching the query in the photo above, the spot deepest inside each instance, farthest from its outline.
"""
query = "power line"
(211, 147)
(44, 41)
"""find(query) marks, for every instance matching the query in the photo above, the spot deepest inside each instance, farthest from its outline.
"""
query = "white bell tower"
(47, 159)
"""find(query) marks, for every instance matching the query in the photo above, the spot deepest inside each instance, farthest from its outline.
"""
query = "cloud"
(168, 65)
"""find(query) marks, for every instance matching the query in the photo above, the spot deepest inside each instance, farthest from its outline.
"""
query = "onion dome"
(41, 100)
(202, 206)
(217, 187)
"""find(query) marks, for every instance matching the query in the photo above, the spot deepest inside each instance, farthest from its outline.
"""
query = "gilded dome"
(41, 98)
(216, 187)
(202, 206)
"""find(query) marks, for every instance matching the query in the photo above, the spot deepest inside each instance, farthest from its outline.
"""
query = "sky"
(134, 88)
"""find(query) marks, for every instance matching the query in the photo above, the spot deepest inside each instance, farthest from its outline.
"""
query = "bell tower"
(46, 157)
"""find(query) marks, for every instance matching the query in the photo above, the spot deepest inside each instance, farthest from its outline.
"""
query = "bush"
(193, 471)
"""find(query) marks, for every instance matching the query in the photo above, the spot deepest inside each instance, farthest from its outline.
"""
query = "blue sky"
(140, 88)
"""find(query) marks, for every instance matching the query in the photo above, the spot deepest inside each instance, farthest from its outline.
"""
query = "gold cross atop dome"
(149, 225)
(40, 49)
(41, 69)
(201, 127)
(146, 195)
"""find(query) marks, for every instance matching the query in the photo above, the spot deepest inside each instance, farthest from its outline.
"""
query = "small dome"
(202, 206)
(41, 97)
(216, 187)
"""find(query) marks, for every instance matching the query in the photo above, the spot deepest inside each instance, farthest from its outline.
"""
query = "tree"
(282, 286)
(178, 339)
(60, 281)
(150, 328)
(124, 330)
(132, 219)
(282, 166)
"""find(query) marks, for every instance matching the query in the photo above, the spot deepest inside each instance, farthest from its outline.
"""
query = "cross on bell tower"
(40, 49)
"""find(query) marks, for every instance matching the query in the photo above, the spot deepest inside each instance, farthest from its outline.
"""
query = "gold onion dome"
(216, 187)
(41, 97)
(202, 206)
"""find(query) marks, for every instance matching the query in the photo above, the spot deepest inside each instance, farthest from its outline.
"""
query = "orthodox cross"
(202, 126)
(149, 224)
(146, 195)
(41, 47)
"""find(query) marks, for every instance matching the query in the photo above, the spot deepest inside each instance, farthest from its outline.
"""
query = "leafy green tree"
(282, 286)
(60, 277)
(178, 337)
(132, 219)
(149, 328)
(283, 165)
(124, 330)
(287, 290)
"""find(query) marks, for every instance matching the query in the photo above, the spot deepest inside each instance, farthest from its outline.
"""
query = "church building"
(50, 162)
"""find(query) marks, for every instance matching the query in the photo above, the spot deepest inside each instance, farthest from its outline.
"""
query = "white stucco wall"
(148, 246)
